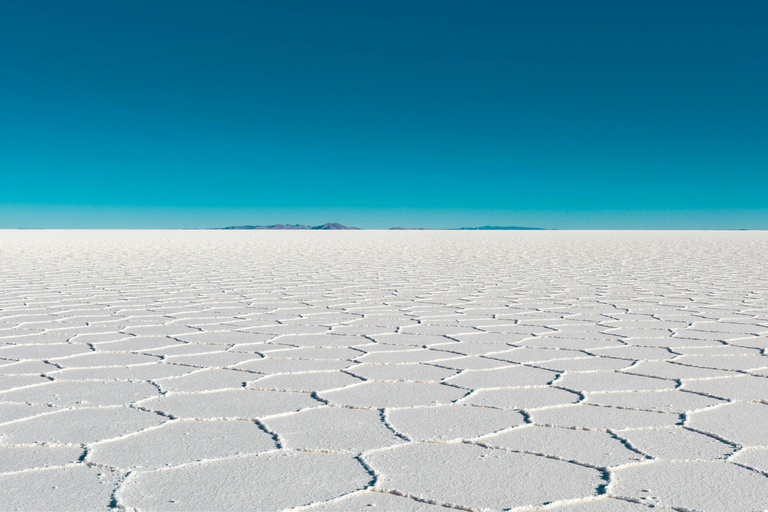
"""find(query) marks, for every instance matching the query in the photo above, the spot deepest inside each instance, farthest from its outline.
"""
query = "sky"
(382, 113)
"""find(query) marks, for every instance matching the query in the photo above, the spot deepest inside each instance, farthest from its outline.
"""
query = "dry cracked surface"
(208, 370)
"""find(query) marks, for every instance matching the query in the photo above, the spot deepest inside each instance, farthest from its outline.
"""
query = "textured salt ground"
(576, 372)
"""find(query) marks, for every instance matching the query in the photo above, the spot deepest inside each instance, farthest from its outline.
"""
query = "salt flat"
(209, 370)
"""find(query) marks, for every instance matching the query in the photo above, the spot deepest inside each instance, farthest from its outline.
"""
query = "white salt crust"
(212, 370)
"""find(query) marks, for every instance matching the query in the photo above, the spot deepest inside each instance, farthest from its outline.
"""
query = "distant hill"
(337, 226)
(333, 225)
(500, 228)
(327, 226)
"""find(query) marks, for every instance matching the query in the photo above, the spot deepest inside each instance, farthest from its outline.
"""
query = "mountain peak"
(333, 225)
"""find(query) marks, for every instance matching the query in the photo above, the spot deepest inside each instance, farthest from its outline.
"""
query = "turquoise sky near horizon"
(440, 114)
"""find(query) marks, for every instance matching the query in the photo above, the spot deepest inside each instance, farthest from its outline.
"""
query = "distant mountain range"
(336, 225)
(500, 228)
(329, 225)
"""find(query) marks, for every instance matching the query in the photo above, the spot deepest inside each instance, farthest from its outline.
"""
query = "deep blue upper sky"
(563, 114)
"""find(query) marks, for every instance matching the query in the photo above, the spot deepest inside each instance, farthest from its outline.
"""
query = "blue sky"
(559, 114)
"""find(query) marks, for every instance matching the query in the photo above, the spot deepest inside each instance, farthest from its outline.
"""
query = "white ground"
(568, 371)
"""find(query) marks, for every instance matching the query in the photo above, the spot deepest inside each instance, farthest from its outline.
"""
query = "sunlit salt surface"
(209, 370)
